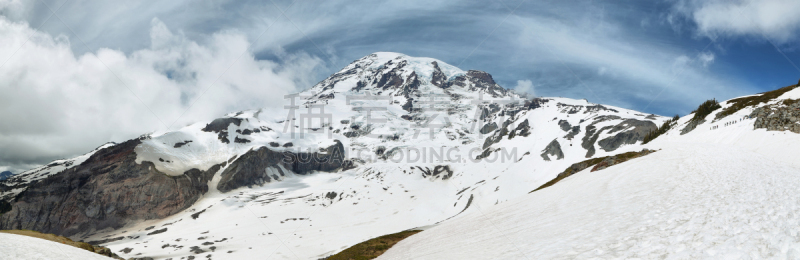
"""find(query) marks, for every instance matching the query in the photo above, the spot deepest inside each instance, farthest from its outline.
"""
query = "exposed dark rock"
(196, 250)
(249, 169)
(692, 125)
(157, 231)
(484, 81)
(179, 144)
(412, 86)
(573, 132)
(438, 78)
(564, 125)
(553, 149)
(289, 144)
(221, 124)
(391, 79)
(330, 195)
(107, 240)
(440, 170)
(523, 129)
(497, 136)
(240, 140)
(443, 170)
(639, 131)
(197, 214)
(108, 190)
(5, 206)
(481, 76)
(274, 144)
(598, 108)
(488, 128)
(409, 105)
(223, 137)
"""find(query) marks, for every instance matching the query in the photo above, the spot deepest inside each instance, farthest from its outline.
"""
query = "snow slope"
(687, 201)
(17, 247)
(728, 192)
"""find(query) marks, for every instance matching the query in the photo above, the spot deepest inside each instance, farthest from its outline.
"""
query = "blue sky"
(662, 57)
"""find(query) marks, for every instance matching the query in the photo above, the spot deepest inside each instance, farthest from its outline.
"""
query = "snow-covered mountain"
(388, 143)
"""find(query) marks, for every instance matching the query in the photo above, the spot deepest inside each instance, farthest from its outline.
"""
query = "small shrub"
(705, 109)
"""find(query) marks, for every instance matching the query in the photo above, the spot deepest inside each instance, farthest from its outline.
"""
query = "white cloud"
(775, 19)
(525, 86)
(56, 104)
(706, 59)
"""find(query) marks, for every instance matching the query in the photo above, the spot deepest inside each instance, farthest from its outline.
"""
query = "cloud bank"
(774, 19)
(57, 104)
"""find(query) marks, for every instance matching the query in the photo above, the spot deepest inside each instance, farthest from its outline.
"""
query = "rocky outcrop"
(438, 171)
(484, 81)
(108, 190)
(438, 78)
(488, 128)
(781, 117)
(565, 126)
(221, 124)
(263, 165)
(553, 149)
(523, 129)
(692, 125)
(638, 129)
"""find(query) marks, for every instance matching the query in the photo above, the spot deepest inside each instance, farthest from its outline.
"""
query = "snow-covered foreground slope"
(17, 247)
(712, 199)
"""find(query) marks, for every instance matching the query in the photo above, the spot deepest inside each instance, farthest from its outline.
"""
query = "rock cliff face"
(553, 149)
(110, 189)
(106, 191)
(636, 130)
(263, 165)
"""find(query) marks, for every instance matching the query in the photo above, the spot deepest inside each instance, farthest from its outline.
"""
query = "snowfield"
(727, 193)
(17, 247)
(701, 201)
